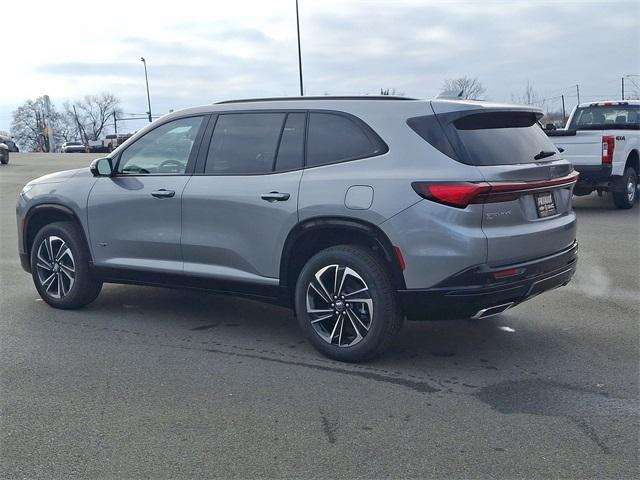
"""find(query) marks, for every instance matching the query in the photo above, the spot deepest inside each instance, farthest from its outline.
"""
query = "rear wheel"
(5, 158)
(346, 304)
(60, 267)
(625, 195)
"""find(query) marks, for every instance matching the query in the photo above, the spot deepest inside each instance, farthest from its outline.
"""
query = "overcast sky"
(201, 52)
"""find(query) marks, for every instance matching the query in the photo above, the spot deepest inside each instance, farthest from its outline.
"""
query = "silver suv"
(357, 212)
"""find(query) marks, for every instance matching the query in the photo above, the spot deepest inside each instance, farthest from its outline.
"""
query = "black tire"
(383, 324)
(83, 289)
(5, 159)
(624, 196)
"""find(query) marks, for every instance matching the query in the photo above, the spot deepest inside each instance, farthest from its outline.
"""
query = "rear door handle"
(162, 193)
(275, 197)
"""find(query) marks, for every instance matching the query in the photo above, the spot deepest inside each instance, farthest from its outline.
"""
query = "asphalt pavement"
(158, 383)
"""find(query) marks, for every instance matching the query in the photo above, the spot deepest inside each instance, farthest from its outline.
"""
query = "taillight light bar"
(608, 145)
(462, 194)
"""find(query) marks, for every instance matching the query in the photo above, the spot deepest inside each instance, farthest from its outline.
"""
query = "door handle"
(275, 197)
(162, 193)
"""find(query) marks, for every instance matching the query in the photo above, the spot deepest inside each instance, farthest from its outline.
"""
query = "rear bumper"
(592, 173)
(465, 294)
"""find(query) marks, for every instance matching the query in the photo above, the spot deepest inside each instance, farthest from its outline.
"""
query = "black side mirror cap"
(101, 167)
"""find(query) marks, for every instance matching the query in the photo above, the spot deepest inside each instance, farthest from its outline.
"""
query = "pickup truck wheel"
(625, 195)
(346, 304)
(60, 267)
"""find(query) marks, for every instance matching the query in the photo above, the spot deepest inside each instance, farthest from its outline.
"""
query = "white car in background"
(602, 141)
(73, 147)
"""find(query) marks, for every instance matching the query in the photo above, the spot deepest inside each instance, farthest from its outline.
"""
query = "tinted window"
(291, 150)
(602, 117)
(333, 138)
(164, 150)
(501, 138)
(487, 138)
(244, 143)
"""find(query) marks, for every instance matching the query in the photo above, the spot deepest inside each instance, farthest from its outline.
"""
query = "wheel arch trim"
(378, 237)
(55, 207)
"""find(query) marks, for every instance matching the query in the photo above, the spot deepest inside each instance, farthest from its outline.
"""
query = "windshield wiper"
(544, 154)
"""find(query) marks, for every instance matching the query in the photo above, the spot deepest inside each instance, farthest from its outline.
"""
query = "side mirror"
(101, 167)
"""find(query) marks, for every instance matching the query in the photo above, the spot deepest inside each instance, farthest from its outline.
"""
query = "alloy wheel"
(339, 305)
(55, 266)
(631, 189)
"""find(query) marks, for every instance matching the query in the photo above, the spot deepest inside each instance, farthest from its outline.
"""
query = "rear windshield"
(488, 138)
(606, 117)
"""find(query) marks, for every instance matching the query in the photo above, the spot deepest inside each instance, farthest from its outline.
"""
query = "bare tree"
(529, 97)
(465, 87)
(94, 113)
(30, 125)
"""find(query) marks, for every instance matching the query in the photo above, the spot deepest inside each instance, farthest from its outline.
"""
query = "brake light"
(608, 145)
(512, 272)
(460, 195)
(455, 195)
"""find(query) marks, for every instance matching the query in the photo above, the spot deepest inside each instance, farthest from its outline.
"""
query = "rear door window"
(291, 149)
(244, 143)
(336, 138)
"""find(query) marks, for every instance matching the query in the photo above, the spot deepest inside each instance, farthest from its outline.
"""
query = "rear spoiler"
(560, 133)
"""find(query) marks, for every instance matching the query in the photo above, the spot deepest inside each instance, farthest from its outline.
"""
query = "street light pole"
(146, 78)
(299, 52)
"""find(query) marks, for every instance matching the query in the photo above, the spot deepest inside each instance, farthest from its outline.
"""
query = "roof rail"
(323, 97)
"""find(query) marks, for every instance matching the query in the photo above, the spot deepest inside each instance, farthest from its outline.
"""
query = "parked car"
(355, 211)
(4, 153)
(73, 147)
(8, 141)
(602, 140)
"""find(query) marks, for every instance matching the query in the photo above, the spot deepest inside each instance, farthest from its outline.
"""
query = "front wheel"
(5, 159)
(625, 195)
(60, 267)
(346, 303)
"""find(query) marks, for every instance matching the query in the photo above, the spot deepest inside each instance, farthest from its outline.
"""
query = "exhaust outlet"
(491, 311)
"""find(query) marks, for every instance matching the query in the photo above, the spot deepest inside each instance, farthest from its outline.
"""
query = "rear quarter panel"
(409, 159)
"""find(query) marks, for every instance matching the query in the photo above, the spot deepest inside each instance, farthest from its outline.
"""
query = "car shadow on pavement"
(236, 322)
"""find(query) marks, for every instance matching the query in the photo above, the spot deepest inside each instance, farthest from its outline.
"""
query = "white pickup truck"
(602, 140)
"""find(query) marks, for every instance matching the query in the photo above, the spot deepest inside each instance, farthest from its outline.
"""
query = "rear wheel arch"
(44, 214)
(633, 161)
(311, 236)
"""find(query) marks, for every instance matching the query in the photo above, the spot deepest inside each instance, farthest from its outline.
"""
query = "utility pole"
(622, 88)
(146, 78)
(115, 124)
(564, 114)
(49, 122)
(299, 52)
(578, 93)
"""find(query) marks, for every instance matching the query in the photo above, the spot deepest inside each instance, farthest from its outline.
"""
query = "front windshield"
(603, 117)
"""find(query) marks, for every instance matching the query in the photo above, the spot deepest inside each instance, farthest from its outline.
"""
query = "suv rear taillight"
(460, 195)
(453, 194)
(608, 145)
